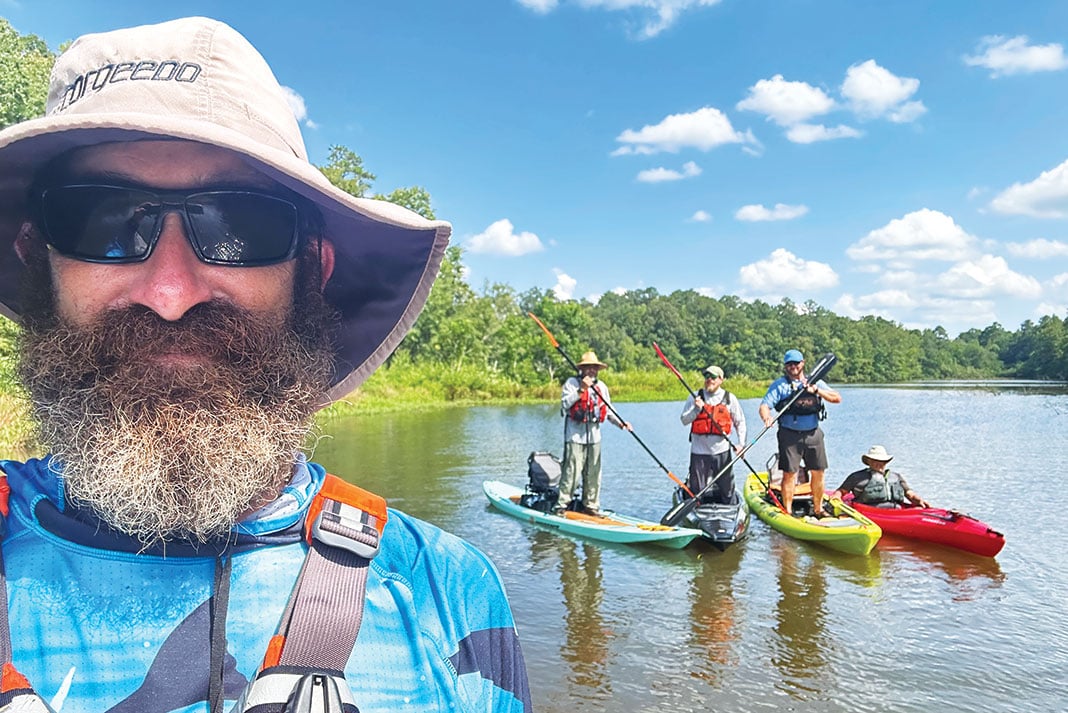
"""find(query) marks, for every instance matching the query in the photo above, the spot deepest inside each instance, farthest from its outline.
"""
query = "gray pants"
(581, 460)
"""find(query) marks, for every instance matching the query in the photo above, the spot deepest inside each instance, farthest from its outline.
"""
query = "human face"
(712, 382)
(588, 370)
(172, 280)
(794, 369)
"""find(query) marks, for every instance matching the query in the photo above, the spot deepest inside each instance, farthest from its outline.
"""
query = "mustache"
(127, 345)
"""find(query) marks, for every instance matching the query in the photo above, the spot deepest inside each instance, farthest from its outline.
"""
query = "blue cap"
(792, 356)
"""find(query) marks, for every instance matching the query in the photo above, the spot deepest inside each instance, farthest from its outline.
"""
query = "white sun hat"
(200, 80)
(876, 453)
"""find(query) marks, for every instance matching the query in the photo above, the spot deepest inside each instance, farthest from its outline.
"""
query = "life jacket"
(805, 404)
(303, 669)
(881, 488)
(590, 408)
(713, 419)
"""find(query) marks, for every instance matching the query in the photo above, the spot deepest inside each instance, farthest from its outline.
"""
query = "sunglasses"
(116, 224)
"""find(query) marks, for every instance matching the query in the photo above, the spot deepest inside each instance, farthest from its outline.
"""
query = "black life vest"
(804, 405)
(590, 408)
(713, 419)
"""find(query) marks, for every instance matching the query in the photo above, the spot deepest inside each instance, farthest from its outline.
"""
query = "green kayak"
(849, 532)
(610, 527)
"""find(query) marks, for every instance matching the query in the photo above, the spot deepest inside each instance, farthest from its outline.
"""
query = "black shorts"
(795, 445)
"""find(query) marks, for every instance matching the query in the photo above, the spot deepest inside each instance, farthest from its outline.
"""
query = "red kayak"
(944, 527)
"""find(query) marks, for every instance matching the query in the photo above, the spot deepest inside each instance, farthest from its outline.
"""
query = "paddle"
(680, 511)
(552, 340)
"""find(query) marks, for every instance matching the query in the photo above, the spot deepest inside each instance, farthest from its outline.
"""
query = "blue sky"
(907, 159)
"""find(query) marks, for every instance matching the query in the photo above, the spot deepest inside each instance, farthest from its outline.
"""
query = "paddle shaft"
(607, 403)
(680, 511)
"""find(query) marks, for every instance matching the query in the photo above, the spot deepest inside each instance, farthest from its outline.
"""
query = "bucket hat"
(200, 80)
(876, 453)
(590, 359)
(792, 355)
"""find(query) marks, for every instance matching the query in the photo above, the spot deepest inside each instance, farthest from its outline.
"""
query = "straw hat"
(876, 453)
(198, 79)
(590, 359)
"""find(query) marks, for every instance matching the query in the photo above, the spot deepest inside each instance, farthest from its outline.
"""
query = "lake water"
(772, 624)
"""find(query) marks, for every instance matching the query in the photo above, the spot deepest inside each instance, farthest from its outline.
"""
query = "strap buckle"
(348, 528)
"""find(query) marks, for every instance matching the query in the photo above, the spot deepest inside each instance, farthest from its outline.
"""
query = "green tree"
(415, 199)
(344, 168)
(25, 63)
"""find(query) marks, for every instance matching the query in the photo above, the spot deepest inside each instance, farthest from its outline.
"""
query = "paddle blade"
(552, 339)
(676, 514)
(823, 366)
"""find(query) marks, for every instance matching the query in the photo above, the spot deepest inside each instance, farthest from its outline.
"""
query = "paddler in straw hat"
(191, 290)
(583, 403)
(876, 484)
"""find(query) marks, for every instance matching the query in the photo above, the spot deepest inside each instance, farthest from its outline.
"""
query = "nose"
(173, 278)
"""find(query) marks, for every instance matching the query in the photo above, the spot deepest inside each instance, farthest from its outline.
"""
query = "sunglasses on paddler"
(119, 224)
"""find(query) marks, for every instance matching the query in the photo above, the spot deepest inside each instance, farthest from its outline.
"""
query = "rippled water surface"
(771, 624)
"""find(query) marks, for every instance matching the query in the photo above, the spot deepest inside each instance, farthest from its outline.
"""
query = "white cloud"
(1056, 288)
(658, 15)
(500, 238)
(1013, 55)
(297, 106)
(659, 175)
(1039, 249)
(1044, 197)
(811, 133)
(917, 311)
(539, 6)
(784, 271)
(986, 276)
(565, 285)
(703, 129)
(884, 303)
(873, 92)
(918, 236)
(1043, 309)
(701, 217)
(786, 102)
(781, 211)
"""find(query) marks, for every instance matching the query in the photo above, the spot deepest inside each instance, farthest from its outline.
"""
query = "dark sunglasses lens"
(99, 222)
(236, 227)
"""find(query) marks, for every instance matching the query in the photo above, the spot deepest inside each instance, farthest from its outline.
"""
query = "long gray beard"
(181, 451)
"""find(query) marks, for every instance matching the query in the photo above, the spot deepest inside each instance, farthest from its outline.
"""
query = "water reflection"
(587, 638)
(714, 614)
(803, 651)
(969, 576)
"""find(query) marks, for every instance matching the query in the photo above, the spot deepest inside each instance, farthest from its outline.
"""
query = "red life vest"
(589, 408)
(713, 419)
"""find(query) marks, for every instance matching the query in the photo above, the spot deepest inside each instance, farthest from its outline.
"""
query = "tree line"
(490, 329)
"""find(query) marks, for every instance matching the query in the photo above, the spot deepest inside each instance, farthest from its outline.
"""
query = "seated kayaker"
(876, 485)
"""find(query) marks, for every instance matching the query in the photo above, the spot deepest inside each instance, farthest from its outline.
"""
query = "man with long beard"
(192, 291)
